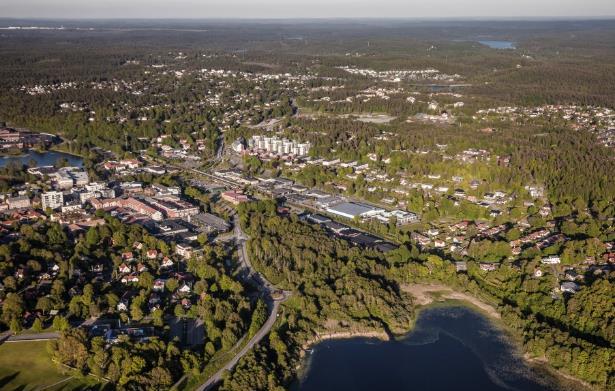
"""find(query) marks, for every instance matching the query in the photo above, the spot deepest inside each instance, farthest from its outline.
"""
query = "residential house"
(130, 279)
(159, 285)
(488, 266)
(167, 262)
(184, 250)
(461, 266)
(550, 260)
(569, 287)
(122, 306)
(124, 269)
(185, 288)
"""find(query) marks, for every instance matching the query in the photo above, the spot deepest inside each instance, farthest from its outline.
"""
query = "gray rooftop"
(351, 208)
(211, 221)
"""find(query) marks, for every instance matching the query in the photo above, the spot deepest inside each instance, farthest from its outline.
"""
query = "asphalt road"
(253, 341)
(266, 289)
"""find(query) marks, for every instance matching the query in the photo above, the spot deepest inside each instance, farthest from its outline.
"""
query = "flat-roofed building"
(173, 207)
(52, 200)
(234, 197)
(18, 202)
(351, 210)
(210, 223)
(141, 207)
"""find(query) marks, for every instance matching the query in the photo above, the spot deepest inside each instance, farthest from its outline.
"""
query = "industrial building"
(351, 210)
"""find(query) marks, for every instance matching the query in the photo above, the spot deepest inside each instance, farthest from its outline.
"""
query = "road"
(220, 150)
(33, 337)
(216, 178)
(267, 290)
(253, 341)
(44, 336)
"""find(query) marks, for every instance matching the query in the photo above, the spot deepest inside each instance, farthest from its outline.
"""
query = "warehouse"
(351, 210)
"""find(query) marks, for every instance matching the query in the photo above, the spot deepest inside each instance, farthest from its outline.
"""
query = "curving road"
(216, 377)
(267, 290)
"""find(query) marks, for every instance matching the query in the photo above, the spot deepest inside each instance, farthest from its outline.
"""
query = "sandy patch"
(425, 294)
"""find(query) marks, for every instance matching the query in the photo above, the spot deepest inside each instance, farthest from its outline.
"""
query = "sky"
(304, 8)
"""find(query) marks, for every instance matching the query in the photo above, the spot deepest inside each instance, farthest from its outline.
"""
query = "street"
(266, 289)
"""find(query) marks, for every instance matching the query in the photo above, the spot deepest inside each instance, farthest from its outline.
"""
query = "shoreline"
(424, 294)
(321, 337)
(428, 295)
(39, 151)
(543, 364)
(421, 293)
(54, 149)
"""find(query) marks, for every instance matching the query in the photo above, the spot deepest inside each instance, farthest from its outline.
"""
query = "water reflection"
(451, 348)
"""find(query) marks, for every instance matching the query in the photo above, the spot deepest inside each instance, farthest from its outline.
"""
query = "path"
(33, 337)
(55, 384)
(42, 336)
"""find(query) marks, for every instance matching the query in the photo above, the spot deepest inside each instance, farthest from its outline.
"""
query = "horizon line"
(316, 18)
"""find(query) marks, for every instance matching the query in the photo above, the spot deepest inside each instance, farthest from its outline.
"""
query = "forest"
(130, 89)
(362, 290)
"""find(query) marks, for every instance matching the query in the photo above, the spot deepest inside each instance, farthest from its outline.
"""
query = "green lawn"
(26, 366)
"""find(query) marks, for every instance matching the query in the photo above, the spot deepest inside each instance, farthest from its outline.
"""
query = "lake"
(498, 44)
(47, 158)
(451, 348)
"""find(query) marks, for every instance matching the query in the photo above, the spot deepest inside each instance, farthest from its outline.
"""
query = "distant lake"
(451, 348)
(498, 44)
(47, 158)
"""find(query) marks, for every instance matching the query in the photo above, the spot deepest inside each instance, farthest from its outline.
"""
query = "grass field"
(26, 366)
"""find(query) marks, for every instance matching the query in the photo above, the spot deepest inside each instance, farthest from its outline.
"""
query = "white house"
(550, 260)
(569, 287)
(488, 266)
(159, 285)
(130, 278)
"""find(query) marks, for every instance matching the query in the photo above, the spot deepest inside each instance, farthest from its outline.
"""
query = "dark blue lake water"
(42, 159)
(498, 44)
(451, 348)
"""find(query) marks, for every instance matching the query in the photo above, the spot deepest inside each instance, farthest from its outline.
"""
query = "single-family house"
(124, 269)
(550, 260)
(130, 279)
(569, 287)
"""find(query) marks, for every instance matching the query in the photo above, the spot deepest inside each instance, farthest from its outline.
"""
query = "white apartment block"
(52, 199)
(279, 146)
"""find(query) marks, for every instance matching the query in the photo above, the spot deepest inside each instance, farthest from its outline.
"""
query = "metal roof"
(351, 209)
